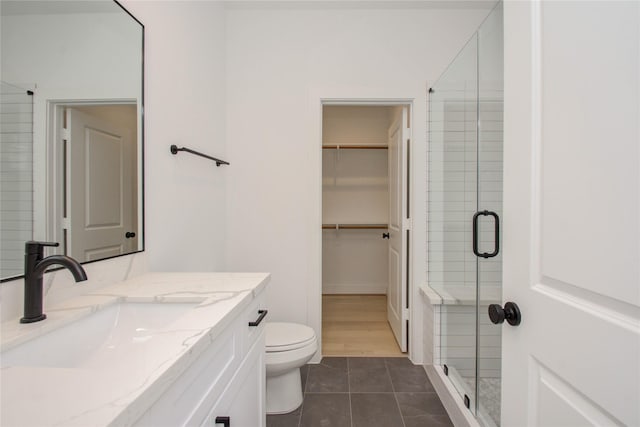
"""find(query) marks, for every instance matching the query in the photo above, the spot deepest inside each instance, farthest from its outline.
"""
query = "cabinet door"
(243, 401)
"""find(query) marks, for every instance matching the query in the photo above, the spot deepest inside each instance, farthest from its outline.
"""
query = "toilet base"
(284, 392)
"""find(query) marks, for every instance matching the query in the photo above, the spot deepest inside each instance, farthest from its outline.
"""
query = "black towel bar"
(174, 150)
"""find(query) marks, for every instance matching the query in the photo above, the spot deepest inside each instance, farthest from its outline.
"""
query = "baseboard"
(354, 289)
(459, 414)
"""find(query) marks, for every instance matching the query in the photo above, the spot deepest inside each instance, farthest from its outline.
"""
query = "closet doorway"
(365, 236)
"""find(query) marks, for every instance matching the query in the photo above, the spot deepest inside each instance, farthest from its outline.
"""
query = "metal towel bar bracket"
(174, 150)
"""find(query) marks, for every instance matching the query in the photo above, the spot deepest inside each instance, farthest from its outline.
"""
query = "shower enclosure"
(16, 160)
(465, 207)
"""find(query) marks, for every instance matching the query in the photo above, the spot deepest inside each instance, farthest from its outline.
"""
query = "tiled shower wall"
(16, 168)
(452, 191)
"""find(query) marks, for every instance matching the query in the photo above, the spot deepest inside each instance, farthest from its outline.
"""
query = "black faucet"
(34, 267)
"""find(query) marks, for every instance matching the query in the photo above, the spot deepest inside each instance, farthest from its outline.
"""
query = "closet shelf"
(354, 226)
(355, 147)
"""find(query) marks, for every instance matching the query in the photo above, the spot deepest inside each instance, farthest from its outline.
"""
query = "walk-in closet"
(362, 183)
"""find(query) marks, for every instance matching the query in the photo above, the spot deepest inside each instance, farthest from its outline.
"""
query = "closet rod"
(174, 150)
(354, 226)
(355, 147)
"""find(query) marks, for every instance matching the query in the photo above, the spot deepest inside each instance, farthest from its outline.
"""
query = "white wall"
(184, 105)
(73, 53)
(280, 63)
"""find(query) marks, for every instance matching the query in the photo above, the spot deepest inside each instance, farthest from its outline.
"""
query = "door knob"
(510, 313)
(129, 234)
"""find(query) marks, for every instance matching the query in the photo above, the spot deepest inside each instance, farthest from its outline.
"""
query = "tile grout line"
(328, 392)
(304, 394)
(386, 366)
(355, 392)
(395, 396)
(349, 392)
(301, 409)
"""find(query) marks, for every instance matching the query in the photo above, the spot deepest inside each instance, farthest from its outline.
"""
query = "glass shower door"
(490, 113)
(453, 174)
(464, 212)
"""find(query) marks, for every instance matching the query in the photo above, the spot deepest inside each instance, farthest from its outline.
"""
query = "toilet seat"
(287, 336)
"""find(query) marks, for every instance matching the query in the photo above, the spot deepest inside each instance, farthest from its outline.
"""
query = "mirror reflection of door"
(99, 219)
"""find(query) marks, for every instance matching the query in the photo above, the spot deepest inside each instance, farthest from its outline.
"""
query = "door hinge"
(405, 314)
(407, 224)
(65, 134)
(66, 223)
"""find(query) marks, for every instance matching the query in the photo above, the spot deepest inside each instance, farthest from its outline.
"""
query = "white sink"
(114, 333)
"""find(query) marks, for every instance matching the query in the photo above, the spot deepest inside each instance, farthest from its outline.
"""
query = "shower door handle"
(496, 234)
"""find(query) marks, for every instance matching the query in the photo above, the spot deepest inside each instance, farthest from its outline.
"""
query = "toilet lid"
(287, 336)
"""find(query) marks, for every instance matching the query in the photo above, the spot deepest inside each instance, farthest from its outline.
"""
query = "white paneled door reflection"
(101, 202)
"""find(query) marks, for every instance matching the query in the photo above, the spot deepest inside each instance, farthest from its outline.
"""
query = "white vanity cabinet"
(227, 380)
(243, 401)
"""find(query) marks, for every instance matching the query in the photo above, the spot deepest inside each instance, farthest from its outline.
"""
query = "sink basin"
(117, 332)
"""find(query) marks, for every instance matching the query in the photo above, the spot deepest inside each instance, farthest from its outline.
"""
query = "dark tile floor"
(365, 392)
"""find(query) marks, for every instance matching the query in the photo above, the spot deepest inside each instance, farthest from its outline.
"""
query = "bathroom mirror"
(71, 139)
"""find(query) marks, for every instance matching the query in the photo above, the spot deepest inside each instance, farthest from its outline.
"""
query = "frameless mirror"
(71, 137)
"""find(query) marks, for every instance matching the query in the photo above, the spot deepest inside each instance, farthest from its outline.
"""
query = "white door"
(571, 213)
(397, 310)
(101, 208)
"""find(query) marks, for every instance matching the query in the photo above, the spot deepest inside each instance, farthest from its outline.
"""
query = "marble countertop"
(120, 393)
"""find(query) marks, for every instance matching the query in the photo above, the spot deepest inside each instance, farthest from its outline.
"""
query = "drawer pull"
(263, 314)
(225, 421)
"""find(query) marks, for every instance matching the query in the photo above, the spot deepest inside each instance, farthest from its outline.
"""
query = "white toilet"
(288, 347)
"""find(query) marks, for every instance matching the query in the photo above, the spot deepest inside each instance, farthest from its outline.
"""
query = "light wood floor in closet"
(356, 325)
